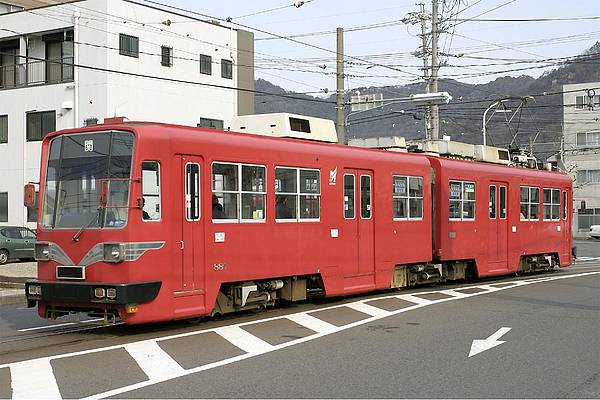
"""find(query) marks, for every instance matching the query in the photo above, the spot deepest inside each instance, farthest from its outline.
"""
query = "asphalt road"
(365, 346)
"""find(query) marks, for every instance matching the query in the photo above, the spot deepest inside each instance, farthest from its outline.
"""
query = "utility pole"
(435, 121)
(425, 56)
(340, 110)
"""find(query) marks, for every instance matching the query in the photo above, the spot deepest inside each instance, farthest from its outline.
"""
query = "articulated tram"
(146, 222)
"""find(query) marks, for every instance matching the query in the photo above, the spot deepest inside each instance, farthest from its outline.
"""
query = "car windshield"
(78, 167)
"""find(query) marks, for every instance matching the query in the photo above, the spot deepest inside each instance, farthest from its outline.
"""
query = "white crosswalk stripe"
(368, 309)
(34, 380)
(312, 323)
(243, 339)
(153, 360)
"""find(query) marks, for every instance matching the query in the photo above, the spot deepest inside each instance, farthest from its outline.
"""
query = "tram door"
(192, 228)
(498, 225)
(358, 220)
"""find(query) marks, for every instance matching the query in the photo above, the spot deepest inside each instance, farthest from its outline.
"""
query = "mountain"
(538, 121)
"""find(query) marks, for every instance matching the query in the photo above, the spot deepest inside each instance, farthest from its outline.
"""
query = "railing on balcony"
(36, 73)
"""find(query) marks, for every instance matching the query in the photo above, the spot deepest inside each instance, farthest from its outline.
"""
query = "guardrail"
(36, 73)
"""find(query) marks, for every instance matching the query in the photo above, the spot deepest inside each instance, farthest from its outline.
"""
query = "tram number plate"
(70, 272)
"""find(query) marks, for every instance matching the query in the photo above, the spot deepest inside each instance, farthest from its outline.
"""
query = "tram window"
(192, 192)
(253, 192)
(415, 197)
(349, 196)
(492, 203)
(400, 194)
(407, 197)
(286, 193)
(365, 197)
(151, 209)
(564, 205)
(462, 201)
(502, 202)
(530, 203)
(297, 194)
(551, 204)
(225, 187)
(310, 194)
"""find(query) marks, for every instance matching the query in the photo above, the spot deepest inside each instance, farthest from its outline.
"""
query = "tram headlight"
(34, 290)
(111, 293)
(42, 251)
(99, 292)
(114, 252)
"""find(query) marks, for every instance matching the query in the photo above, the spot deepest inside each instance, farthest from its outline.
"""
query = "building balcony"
(34, 73)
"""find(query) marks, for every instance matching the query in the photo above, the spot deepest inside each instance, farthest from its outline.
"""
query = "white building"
(582, 151)
(72, 64)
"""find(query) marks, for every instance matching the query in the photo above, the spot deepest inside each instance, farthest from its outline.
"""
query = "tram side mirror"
(29, 195)
(103, 197)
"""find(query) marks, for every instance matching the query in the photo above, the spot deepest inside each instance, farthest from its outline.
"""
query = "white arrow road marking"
(479, 346)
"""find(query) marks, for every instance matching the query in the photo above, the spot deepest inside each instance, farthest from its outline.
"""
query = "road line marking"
(59, 325)
(368, 309)
(253, 342)
(243, 339)
(154, 361)
(414, 299)
(312, 323)
(34, 379)
(454, 293)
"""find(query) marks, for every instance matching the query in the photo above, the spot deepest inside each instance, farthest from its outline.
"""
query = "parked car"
(595, 231)
(16, 242)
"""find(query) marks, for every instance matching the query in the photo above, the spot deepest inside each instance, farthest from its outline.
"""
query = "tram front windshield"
(79, 167)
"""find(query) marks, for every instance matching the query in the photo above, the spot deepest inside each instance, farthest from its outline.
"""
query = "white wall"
(576, 121)
(100, 94)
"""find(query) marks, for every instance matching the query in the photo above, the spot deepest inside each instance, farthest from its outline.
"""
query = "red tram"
(147, 222)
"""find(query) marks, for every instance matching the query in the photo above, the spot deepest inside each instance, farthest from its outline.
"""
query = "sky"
(299, 68)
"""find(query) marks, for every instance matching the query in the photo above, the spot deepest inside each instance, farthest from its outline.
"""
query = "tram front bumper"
(90, 292)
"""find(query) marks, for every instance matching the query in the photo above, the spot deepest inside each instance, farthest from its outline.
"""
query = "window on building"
(462, 200)
(226, 69)
(151, 208)
(530, 203)
(205, 64)
(210, 123)
(129, 45)
(297, 194)
(239, 192)
(587, 139)
(166, 56)
(3, 129)
(9, 72)
(407, 197)
(588, 176)
(551, 209)
(4, 207)
(580, 102)
(39, 124)
(32, 211)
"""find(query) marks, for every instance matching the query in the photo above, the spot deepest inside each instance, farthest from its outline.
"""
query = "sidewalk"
(12, 281)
